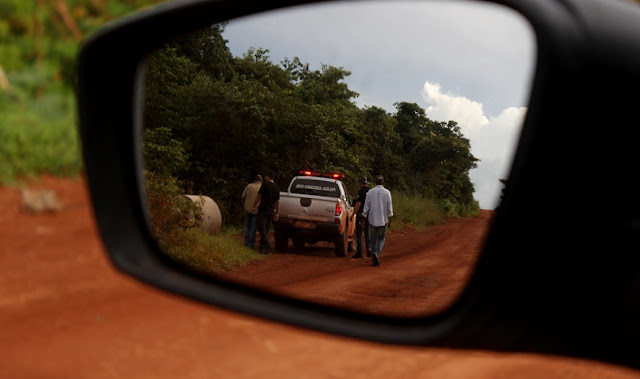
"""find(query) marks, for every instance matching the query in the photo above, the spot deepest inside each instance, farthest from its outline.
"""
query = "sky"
(468, 62)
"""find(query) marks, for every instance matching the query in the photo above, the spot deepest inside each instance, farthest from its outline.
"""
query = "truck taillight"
(338, 209)
(334, 176)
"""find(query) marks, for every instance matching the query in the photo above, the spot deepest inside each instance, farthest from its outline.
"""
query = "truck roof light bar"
(311, 173)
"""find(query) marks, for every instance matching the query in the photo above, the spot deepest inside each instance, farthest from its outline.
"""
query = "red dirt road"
(421, 272)
(66, 313)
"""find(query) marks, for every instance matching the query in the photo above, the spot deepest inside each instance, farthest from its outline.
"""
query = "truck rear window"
(315, 187)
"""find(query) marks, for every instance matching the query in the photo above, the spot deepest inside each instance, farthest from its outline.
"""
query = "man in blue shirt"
(377, 209)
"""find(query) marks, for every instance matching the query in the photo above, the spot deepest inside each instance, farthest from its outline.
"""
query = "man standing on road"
(250, 214)
(377, 209)
(362, 226)
(269, 200)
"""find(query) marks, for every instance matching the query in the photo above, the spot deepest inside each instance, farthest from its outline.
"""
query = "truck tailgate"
(308, 207)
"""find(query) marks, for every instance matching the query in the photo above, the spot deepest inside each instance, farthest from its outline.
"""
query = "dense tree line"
(228, 117)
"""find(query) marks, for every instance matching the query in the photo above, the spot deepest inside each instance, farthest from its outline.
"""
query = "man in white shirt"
(377, 209)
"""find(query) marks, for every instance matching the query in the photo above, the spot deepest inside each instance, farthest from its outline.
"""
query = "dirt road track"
(65, 313)
(422, 271)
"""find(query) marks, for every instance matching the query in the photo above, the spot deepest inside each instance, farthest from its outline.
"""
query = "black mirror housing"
(560, 270)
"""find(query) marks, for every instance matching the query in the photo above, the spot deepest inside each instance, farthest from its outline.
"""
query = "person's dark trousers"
(250, 227)
(362, 227)
(264, 224)
(378, 236)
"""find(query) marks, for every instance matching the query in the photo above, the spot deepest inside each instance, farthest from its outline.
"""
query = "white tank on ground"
(211, 217)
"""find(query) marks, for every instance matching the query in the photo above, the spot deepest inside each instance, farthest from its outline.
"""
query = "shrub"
(37, 136)
(421, 212)
(447, 208)
(469, 209)
(207, 254)
(415, 210)
(163, 154)
(169, 208)
(452, 209)
(175, 224)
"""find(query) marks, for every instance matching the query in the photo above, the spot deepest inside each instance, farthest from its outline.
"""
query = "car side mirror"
(525, 292)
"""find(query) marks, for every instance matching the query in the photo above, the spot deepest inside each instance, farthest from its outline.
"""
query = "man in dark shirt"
(269, 200)
(362, 226)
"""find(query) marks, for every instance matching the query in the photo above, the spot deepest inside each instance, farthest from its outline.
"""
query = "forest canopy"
(213, 120)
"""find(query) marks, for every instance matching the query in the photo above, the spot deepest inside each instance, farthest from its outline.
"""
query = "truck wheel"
(282, 241)
(341, 245)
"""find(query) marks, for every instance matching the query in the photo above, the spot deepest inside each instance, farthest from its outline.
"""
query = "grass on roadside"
(38, 136)
(207, 254)
(415, 211)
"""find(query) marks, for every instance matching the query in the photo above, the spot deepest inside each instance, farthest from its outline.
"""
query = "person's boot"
(376, 260)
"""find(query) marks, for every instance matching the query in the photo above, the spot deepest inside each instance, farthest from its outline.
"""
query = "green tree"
(380, 142)
(437, 155)
(235, 116)
(411, 125)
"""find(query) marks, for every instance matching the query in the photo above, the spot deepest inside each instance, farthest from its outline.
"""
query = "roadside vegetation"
(39, 41)
(208, 254)
(213, 120)
(235, 116)
(415, 211)
(175, 226)
(38, 136)
(175, 220)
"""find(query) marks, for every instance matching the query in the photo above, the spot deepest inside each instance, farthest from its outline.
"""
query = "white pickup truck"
(316, 207)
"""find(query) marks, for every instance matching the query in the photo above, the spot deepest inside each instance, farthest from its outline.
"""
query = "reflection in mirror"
(430, 95)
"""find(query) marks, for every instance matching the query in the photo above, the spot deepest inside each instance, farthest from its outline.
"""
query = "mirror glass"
(430, 96)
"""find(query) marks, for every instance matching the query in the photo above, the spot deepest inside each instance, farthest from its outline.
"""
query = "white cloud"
(482, 50)
(444, 107)
(493, 139)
